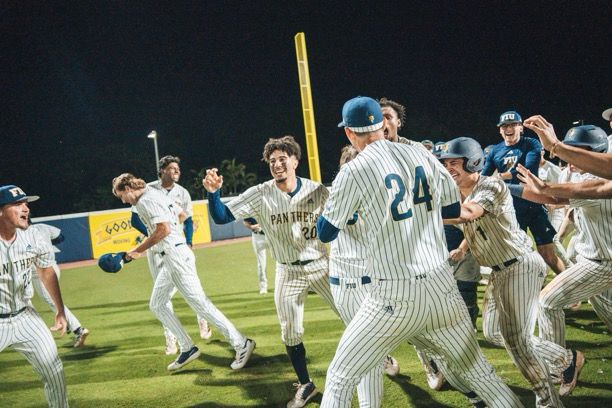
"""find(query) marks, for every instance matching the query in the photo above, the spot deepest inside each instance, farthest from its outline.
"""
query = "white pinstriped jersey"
(399, 192)
(348, 252)
(153, 208)
(593, 219)
(17, 262)
(496, 236)
(289, 222)
(549, 172)
(178, 194)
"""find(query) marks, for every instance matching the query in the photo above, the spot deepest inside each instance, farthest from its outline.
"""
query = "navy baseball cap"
(361, 115)
(113, 262)
(509, 117)
(13, 194)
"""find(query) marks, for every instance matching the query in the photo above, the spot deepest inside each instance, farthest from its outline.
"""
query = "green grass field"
(123, 363)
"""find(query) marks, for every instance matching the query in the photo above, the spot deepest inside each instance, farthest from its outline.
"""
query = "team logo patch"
(388, 309)
(371, 118)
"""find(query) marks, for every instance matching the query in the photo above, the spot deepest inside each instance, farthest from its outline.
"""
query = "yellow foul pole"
(307, 109)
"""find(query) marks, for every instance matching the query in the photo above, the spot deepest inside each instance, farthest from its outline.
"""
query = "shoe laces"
(302, 390)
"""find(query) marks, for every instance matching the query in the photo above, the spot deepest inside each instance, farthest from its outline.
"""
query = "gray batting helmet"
(588, 136)
(466, 148)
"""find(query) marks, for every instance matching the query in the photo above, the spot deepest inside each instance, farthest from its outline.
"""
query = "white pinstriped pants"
(178, 271)
(259, 247)
(292, 284)
(428, 312)
(28, 334)
(73, 322)
(585, 279)
(509, 319)
(348, 297)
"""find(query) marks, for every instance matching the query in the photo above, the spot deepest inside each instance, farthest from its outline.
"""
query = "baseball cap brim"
(607, 114)
(505, 122)
(27, 199)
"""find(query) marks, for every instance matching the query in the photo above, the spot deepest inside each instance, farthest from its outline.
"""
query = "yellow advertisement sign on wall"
(112, 232)
(201, 228)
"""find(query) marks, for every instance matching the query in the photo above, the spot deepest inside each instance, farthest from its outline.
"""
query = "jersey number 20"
(420, 193)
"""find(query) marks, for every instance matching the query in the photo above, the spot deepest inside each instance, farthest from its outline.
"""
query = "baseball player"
(287, 208)
(400, 194)
(496, 240)
(169, 175)
(53, 234)
(21, 251)
(167, 241)
(258, 240)
(592, 274)
(504, 158)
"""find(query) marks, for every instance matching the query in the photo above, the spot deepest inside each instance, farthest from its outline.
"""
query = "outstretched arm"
(598, 164)
(49, 279)
(560, 193)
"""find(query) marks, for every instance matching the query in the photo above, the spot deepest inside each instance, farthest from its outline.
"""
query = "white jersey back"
(593, 219)
(289, 222)
(178, 194)
(399, 191)
(18, 260)
(495, 237)
(349, 251)
(153, 208)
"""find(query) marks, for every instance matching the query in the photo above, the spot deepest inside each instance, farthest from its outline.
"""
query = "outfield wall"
(89, 235)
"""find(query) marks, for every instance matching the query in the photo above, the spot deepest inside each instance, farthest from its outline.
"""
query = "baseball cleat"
(571, 373)
(391, 366)
(171, 345)
(243, 354)
(184, 358)
(81, 335)
(303, 394)
(435, 378)
(205, 331)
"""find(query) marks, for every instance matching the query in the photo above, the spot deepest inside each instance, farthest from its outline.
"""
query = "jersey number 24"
(420, 193)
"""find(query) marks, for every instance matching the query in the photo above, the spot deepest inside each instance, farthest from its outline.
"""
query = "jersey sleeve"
(488, 195)
(344, 198)
(247, 204)
(158, 212)
(583, 202)
(188, 204)
(532, 156)
(45, 255)
(489, 164)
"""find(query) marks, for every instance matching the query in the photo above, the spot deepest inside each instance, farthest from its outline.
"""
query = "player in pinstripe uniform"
(400, 193)
(496, 240)
(287, 208)
(21, 328)
(74, 325)
(169, 175)
(166, 239)
(258, 240)
(591, 276)
(504, 158)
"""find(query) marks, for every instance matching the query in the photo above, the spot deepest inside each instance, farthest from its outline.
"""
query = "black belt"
(300, 263)
(260, 233)
(504, 264)
(12, 314)
(336, 281)
(163, 253)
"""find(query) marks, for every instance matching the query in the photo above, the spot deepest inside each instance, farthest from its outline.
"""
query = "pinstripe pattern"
(27, 333)
(511, 301)
(176, 268)
(347, 262)
(418, 299)
(496, 236)
(290, 226)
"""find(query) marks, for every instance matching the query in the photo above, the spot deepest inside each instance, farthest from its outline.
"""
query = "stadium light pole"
(153, 135)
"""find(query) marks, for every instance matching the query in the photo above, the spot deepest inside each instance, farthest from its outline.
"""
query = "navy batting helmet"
(589, 136)
(466, 148)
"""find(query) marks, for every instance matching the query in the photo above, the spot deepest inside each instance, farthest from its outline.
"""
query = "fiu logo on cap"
(371, 118)
(16, 191)
(508, 116)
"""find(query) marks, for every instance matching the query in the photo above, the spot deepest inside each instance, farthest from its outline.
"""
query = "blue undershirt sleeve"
(489, 166)
(219, 211)
(451, 211)
(326, 231)
(138, 224)
(188, 230)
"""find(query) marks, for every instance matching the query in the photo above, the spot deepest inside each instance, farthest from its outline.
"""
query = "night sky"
(83, 83)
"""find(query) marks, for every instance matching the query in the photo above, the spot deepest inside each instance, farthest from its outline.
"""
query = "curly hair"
(397, 107)
(285, 144)
(127, 180)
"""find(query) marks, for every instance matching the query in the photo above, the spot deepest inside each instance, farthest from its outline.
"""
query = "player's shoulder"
(490, 184)
(531, 143)
(33, 237)
(156, 184)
